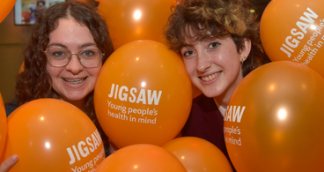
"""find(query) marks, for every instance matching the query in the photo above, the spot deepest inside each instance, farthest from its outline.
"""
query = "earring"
(242, 61)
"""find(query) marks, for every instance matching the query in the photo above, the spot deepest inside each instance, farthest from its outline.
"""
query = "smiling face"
(214, 65)
(72, 82)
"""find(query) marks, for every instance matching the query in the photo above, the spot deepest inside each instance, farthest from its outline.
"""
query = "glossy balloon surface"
(52, 135)
(143, 158)
(198, 155)
(274, 120)
(131, 20)
(143, 94)
(292, 30)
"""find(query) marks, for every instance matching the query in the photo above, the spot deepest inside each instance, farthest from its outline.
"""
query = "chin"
(208, 94)
(73, 98)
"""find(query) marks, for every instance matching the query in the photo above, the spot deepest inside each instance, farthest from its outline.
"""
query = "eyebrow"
(82, 46)
(88, 45)
(57, 44)
(204, 38)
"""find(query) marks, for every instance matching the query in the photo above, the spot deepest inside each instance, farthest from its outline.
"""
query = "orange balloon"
(143, 94)
(293, 30)
(5, 8)
(198, 155)
(52, 135)
(3, 125)
(274, 120)
(143, 158)
(130, 20)
(22, 68)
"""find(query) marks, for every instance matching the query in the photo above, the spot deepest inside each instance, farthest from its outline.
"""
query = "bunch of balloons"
(274, 120)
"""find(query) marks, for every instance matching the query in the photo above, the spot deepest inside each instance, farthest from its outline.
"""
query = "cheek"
(94, 72)
(231, 60)
(53, 71)
(190, 67)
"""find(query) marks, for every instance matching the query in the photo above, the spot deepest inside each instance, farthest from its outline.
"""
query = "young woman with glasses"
(68, 46)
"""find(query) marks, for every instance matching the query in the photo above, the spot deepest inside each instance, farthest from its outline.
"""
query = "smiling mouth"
(210, 77)
(75, 81)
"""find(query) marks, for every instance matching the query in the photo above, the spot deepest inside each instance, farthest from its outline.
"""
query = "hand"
(8, 163)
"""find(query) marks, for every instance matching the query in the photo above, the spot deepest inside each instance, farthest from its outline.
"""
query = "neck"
(223, 99)
(78, 103)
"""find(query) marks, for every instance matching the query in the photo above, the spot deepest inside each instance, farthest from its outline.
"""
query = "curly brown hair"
(217, 18)
(34, 82)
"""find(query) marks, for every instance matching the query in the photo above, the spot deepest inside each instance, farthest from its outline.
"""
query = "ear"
(246, 49)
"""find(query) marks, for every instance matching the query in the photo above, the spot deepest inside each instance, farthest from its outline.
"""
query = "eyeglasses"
(60, 57)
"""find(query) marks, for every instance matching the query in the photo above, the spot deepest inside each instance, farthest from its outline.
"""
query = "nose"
(203, 61)
(74, 66)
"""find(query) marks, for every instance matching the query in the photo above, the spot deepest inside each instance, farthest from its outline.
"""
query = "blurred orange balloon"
(274, 120)
(5, 8)
(130, 20)
(143, 94)
(198, 155)
(52, 135)
(3, 125)
(143, 158)
(22, 68)
(293, 30)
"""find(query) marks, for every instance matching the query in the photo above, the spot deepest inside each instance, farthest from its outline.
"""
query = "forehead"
(69, 31)
(193, 35)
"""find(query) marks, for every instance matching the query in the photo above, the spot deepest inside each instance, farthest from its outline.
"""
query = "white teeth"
(210, 77)
(75, 81)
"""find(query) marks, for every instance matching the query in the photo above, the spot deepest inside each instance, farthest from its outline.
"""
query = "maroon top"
(205, 121)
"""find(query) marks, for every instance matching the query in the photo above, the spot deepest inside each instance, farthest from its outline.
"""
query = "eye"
(214, 45)
(57, 53)
(89, 53)
(188, 53)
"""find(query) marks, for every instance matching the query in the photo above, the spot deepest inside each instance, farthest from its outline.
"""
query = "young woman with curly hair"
(219, 43)
(74, 32)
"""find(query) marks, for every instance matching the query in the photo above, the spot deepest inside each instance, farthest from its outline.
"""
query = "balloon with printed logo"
(52, 135)
(5, 8)
(274, 120)
(293, 30)
(143, 94)
(130, 20)
(3, 124)
(143, 158)
(198, 155)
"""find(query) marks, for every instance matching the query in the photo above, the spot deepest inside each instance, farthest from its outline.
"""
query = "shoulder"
(11, 106)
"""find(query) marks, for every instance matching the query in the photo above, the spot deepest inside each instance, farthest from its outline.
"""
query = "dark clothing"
(11, 106)
(205, 121)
